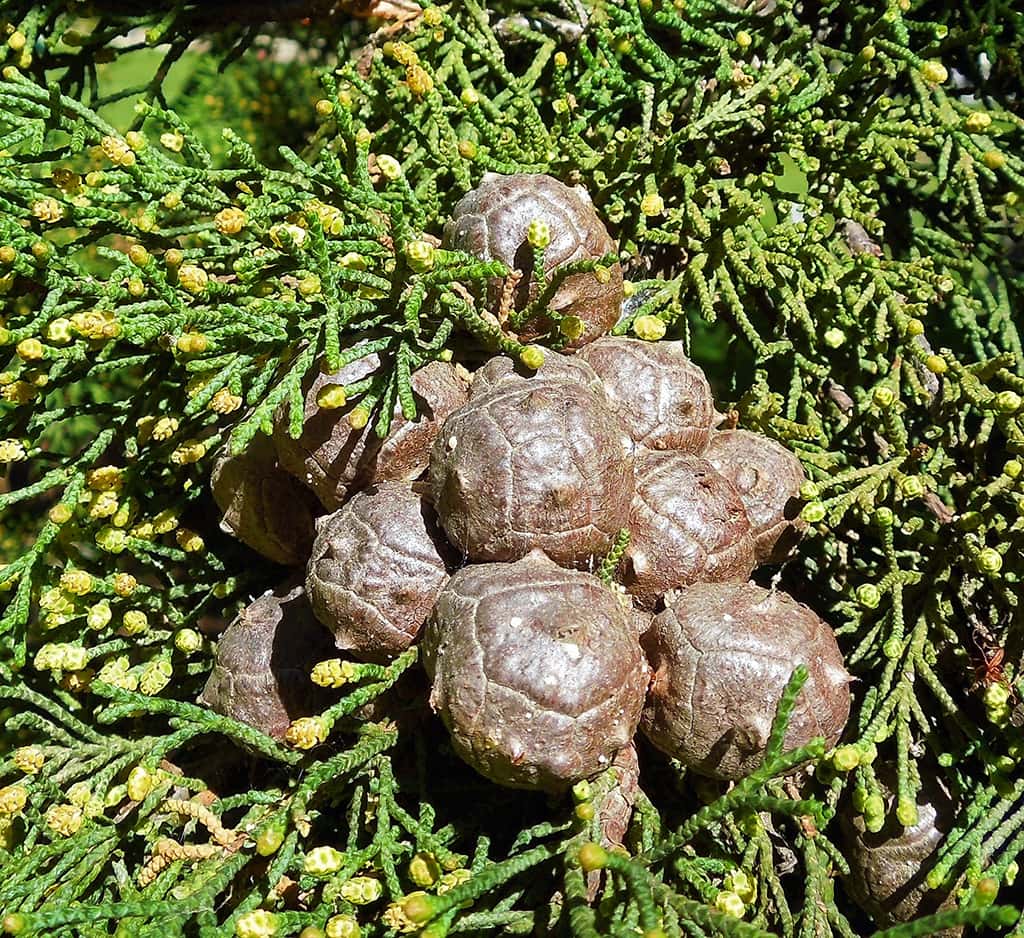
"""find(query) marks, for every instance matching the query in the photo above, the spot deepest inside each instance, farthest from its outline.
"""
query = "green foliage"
(830, 193)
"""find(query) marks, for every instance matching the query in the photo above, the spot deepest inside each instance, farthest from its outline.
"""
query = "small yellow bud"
(77, 582)
(58, 331)
(256, 924)
(324, 108)
(420, 255)
(230, 220)
(401, 52)
(48, 210)
(173, 258)
(30, 349)
(13, 799)
(193, 278)
(105, 479)
(166, 521)
(12, 451)
(418, 80)
(192, 343)
(134, 622)
(172, 141)
(538, 233)
(7, 255)
(731, 904)
(424, 870)
(993, 159)
(358, 417)
(331, 397)
(532, 356)
(155, 676)
(934, 71)
(28, 759)
(284, 232)
(188, 641)
(342, 926)
(469, 97)
(164, 428)
(124, 584)
(140, 783)
(389, 167)
(334, 672)
(103, 505)
(191, 451)
(977, 122)
(362, 890)
(64, 819)
(190, 541)
(936, 364)
(135, 140)
(652, 204)
(306, 732)
(323, 860)
(98, 616)
(111, 539)
(649, 328)
(224, 402)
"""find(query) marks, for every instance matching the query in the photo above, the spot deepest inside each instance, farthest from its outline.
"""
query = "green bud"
(874, 813)
(572, 327)
(869, 595)
(1008, 402)
(989, 561)
(532, 357)
(420, 255)
(424, 870)
(730, 904)
(893, 648)
(996, 695)
(884, 517)
(911, 487)
(813, 512)
(883, 397)
(323, 860)
(581, 791)
(810, 491)
(1012, 468)
(538, 234)
(834, 337)
(846, 758)
(269, 840)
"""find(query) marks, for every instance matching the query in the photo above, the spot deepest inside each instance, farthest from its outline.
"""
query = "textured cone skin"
(262, 505)
(375, 571)
(261, 670)
(888, 868)
(663, 397)
(537, 672)
(502, 370)
(721, 656)
(491, 223)
(533, 463)
(768, 477)
(335, 460)
(687, 524)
